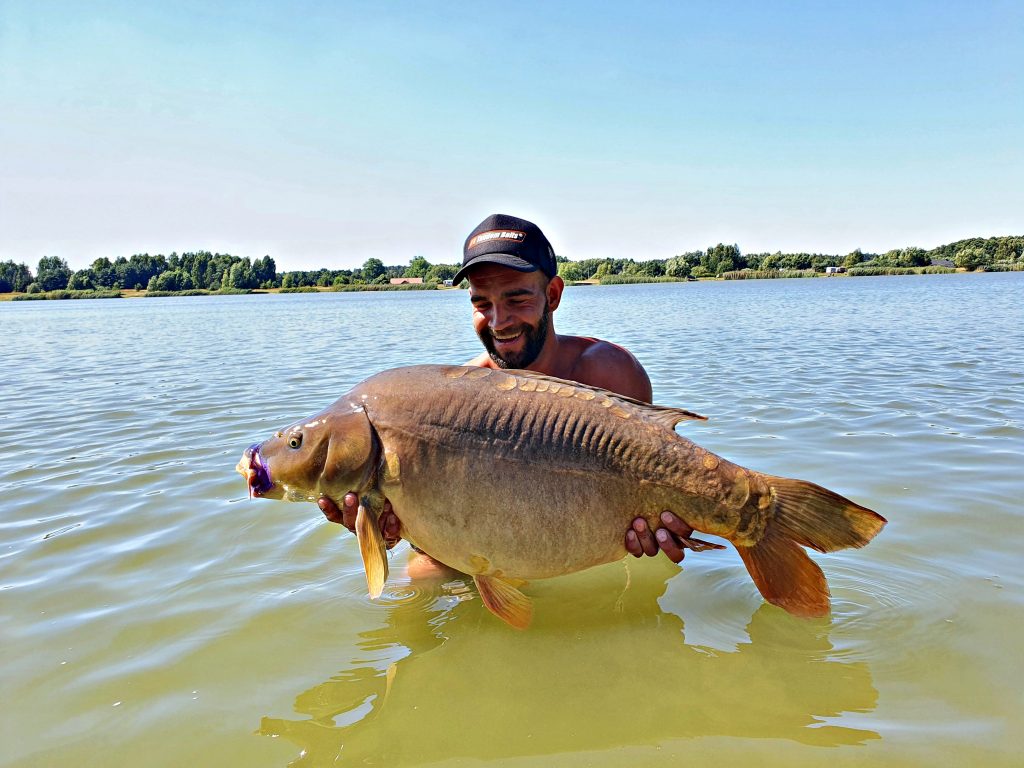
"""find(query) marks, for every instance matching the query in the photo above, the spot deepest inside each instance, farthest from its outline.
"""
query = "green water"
(151, 614)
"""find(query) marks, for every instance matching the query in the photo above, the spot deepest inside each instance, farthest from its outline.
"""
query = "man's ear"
(554, 292)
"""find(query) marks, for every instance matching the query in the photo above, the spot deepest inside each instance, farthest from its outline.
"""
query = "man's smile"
(507, 338)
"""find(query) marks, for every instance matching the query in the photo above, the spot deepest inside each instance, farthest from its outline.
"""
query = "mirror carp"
(493, 471)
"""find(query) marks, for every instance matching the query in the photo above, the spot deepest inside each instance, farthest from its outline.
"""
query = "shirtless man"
(514, 289)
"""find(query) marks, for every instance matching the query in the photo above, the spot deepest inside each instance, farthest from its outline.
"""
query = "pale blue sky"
(326, 133)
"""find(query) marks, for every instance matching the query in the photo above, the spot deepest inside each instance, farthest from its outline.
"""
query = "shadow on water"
(602, 667)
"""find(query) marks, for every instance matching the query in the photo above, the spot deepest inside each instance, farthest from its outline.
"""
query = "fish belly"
(517, 518)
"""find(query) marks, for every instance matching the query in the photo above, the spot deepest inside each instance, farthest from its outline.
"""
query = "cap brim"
(502, 259)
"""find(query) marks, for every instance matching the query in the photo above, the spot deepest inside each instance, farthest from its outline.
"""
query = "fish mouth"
(255, 471)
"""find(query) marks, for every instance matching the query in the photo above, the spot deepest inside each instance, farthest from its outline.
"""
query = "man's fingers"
(675, 525)
(390, 527)
(645, 537)
(633, 544)
(330, 509)
(349, 510)
(668, 544)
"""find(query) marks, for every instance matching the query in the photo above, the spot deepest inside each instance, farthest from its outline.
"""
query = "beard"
(533, 342)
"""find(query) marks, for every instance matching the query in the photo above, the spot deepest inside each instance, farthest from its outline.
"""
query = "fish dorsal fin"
(664, 415)
(504, 600)
(372, 548)
(667, 416)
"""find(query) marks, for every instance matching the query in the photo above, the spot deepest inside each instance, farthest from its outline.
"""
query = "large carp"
(511, 475)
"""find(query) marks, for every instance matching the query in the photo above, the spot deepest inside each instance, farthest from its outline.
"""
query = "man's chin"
(502, 362)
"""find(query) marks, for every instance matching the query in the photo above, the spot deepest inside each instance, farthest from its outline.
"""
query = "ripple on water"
(135, 571)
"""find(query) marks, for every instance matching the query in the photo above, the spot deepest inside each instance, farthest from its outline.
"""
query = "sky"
(327, 133)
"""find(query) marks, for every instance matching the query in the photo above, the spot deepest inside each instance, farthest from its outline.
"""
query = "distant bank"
(202, 273)
(605, 280)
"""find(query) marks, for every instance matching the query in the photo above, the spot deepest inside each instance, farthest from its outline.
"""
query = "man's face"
(511, 313)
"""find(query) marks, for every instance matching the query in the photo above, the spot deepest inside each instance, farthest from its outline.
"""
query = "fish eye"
(295, 440)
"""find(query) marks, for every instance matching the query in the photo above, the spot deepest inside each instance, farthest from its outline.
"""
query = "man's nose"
(500, 319)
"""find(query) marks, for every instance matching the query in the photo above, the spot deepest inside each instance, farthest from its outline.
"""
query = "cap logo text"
(497, 234)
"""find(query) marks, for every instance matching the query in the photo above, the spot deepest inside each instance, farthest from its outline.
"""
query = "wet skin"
(512, 315)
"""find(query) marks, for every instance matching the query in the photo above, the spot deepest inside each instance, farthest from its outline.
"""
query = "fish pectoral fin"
(504, 600)
(373, 550)
(699, 545)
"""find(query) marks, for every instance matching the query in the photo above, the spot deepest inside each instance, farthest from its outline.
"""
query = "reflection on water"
(601, 636)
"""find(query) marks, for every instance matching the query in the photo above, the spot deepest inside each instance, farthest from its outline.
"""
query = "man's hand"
(641, 541)
(390, 525)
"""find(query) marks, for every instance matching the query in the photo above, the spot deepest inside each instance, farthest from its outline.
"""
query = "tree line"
(206, 271)
(971, 254)
(202, 271)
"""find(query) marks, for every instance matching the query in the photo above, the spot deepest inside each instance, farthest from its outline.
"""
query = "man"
(514, 288)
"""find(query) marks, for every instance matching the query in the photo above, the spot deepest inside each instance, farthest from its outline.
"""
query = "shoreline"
(124, 293)
(615, 281)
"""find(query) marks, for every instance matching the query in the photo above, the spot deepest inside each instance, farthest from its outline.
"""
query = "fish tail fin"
(804, 514)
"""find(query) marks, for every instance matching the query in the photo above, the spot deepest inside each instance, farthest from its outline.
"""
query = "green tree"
(418, 267)
(14, 277)
(571, 271)
(240, 275)
(372, 269)
(104, 275)
(677, 267)
(722, 258)
(171, 280)
(82, 280)
(264, 273)
(52, 273)
(438, 273)
(914, 257)
(853, 258)
(970, 258)
(652, 268)
(795, 261)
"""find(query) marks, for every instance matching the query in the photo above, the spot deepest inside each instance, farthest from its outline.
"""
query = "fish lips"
(256, 471)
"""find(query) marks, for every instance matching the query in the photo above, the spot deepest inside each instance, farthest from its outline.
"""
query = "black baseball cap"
(508, 241)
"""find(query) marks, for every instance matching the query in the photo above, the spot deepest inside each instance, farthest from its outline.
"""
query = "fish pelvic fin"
(504, 600)
(372, 548)
(803, 514)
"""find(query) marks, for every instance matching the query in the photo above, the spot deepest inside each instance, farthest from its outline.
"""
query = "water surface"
(151, 614)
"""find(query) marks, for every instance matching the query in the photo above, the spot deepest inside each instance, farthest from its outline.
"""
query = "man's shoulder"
(604, 364)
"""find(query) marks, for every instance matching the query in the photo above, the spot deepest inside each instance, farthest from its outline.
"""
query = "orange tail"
(804, 514)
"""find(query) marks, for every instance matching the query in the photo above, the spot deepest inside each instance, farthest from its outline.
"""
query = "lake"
(151, 614)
